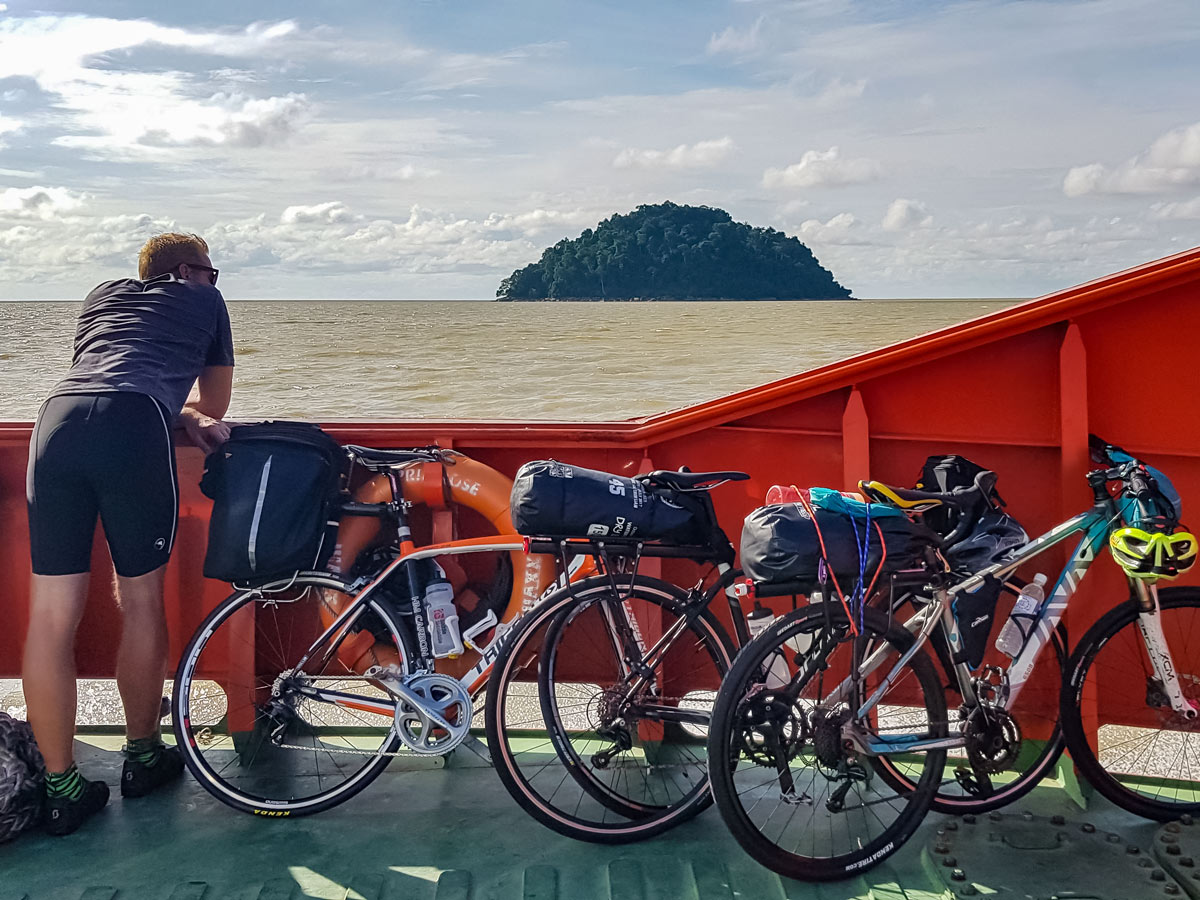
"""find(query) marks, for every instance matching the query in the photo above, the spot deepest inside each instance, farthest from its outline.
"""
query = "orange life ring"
(462, 481)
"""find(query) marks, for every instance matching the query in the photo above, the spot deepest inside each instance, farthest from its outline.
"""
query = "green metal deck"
(428, 832)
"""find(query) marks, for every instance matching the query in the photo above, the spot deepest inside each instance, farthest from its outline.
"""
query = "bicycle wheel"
(249, 727)
(795, 795)
(1011, 752)
(595, 744)
(1119, 725)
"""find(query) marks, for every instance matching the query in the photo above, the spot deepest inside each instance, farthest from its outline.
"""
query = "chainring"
(770, 725)
(993, 739)
(448, 699)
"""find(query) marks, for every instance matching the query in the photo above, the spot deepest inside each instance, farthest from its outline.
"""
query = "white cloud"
(703, 154)
(903, 215)
(540, 221)
(823, 168)
(322, 213)
(38, 202)
(838, 92)
(1186, 209)
(841, 228)
(737, 41)
(143, 123)
(324, 238)
(79, 59)
(7, 126)
(1171, 162)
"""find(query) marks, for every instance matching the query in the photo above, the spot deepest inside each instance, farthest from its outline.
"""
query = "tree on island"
(672, 252)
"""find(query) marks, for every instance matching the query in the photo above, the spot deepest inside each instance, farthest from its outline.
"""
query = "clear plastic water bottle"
(1024, 614)
(759, 620)
(443, 618)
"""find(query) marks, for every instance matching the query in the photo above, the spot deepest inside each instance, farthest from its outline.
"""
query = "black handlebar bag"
(554, 499)
(274, 488)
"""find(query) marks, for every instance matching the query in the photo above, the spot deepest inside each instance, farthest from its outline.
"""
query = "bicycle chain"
(408, 754)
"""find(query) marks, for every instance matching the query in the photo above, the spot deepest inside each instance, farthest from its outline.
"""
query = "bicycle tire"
(1037, 717)
(1137, 743)
(224, 711)
(554, 777)
(749, 713)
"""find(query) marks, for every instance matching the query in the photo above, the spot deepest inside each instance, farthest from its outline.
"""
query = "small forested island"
(671, 252)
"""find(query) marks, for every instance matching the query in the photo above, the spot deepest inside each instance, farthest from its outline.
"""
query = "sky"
(425, 149)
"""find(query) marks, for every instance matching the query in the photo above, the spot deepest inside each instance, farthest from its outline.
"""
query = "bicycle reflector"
(1145, 554)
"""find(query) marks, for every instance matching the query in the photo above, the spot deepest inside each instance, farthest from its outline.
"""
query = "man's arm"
(209, 400)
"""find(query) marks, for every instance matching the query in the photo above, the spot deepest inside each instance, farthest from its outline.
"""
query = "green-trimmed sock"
(144, 751)
(67, 784)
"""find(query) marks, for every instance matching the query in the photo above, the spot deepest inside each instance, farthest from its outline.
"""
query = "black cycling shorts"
(110, 454)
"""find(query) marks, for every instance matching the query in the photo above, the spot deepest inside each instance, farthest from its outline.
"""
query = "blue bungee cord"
(858, 599)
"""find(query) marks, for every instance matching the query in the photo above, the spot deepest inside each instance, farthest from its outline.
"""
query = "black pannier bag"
(274, 487)
(553, 499)
(780, 544)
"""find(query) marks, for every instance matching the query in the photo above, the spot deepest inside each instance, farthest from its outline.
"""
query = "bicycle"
(293, 695)
(861, 714)
(599, 704)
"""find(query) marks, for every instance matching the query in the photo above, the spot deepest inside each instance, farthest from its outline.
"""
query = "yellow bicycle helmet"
(1152, 554)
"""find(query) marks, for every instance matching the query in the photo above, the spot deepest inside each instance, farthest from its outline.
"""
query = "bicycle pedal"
(968, 781)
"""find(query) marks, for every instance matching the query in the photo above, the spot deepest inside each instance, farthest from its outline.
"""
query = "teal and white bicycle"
(830, 733)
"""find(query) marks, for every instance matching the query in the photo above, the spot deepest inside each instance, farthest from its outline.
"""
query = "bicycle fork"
(1150, 624)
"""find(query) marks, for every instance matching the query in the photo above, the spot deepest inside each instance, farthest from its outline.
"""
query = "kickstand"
(478, 747)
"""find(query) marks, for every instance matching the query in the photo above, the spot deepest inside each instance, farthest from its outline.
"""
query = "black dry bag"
(553, 499)
(781, 544)
(274, 487)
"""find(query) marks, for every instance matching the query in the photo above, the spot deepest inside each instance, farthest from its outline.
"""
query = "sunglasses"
(212, 273)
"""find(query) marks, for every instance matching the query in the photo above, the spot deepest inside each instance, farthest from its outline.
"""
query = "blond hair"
(164, 252)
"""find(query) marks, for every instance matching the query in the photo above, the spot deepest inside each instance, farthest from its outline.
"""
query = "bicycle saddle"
(687, 481)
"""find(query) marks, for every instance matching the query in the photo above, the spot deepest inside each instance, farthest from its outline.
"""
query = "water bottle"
(759, 620)
(1024, 614)
(443, 617)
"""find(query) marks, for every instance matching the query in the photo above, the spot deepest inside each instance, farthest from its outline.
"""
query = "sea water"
(327, 360)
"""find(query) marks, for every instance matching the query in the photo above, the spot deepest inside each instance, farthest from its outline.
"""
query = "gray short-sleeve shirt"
(150, 337)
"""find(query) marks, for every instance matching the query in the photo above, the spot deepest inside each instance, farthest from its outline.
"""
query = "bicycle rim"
(584, 746)
(247, 732)
(1121, 730)
(792, 794)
